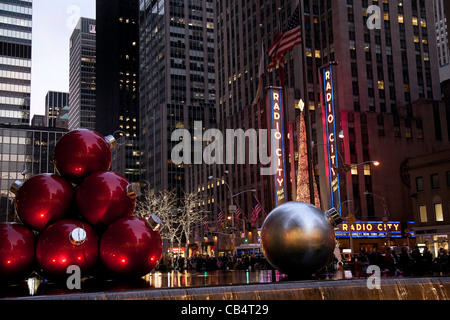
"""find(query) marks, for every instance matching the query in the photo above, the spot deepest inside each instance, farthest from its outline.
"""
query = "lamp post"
(385, 213)
(232, 207)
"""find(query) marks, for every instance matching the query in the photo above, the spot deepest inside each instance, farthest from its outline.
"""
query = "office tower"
(177, 82)
(440, 21)
(386, 95)
(55, 102)
(243, 30)
(385, 89)
(117, 94)
(24, 152)
(15, 61)
(82, 75)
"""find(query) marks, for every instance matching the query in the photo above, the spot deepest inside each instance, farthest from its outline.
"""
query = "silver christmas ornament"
(298, 239)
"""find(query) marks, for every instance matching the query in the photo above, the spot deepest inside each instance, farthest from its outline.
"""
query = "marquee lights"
(330, 134)
(278, 143)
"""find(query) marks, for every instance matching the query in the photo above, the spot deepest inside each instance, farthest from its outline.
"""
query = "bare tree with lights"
(164, 205)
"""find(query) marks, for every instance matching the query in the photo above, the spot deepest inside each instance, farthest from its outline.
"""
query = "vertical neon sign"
(330, 131)
(278, 142)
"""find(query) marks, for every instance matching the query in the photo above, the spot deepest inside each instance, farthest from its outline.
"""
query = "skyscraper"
(82, 76)
(384, 66)
(117, 94)
(15, 61)
(441, 24)
(177, 83)
(55, 102)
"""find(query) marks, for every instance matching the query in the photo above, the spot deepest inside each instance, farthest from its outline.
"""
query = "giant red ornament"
(43, 199)
(17, 251)
(65, 243)
(104, 197)
(131, 247)
(82, 152)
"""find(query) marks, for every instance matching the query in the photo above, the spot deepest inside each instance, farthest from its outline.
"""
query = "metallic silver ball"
(298, 239)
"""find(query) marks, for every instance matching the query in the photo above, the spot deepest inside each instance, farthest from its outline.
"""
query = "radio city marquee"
(275, 107)
(370, 229)
(330, 124)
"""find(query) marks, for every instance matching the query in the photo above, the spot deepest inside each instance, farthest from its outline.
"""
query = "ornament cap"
(334, 217)
(15, 187)
(112, 142)
(153, 222)
(134, 190)
(78, 236)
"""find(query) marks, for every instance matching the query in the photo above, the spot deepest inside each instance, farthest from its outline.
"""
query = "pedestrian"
(443, 261)
(339, 273)
(390, 261)
(427, 259)
(405, 261)
(416, 256)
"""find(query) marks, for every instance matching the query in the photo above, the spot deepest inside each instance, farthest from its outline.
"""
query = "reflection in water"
(176, 279)
(38, 286)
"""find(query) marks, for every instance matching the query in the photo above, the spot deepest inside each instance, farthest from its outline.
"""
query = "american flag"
(220, 217)
(257, 209)
(291, 36)
(238, 211)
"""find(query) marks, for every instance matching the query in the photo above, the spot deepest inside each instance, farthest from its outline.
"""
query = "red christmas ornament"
(65, 243)
(131, 246)
(104, 197)
(17, 251)
(82, 152)
(43, 199)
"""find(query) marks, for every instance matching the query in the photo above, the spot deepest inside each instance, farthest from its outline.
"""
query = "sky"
(53, 24)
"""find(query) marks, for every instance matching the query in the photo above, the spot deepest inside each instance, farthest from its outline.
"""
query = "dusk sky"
(53, 24)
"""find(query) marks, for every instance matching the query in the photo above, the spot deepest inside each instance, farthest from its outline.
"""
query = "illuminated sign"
(370, 229)
(330, 122)
(275, 101)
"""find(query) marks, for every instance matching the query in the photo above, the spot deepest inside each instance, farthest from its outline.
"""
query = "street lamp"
(232, 196)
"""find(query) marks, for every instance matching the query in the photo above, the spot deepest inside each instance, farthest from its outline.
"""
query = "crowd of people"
(251, 262)
(406, 262)
(403, 263)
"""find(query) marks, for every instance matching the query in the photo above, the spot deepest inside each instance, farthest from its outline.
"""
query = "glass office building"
(82, 75)
(24, 152)
(15, 61)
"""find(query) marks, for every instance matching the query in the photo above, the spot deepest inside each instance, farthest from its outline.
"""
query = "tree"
(164, 205)
(191, 213)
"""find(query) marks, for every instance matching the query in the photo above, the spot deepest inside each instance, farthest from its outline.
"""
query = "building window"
(423, 213)
(435, 181)
(438, 212)
(419, 184)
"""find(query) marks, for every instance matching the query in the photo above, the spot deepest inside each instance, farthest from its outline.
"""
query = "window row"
(437, 211)
(14, 88)
(434, 180)
(15, 34)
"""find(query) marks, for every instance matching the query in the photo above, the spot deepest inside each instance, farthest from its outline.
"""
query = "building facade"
(430, 186)
(55, 105)
(25, 151)
(82, 75)
(117, 94)
(15, 61)
(177, 84)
